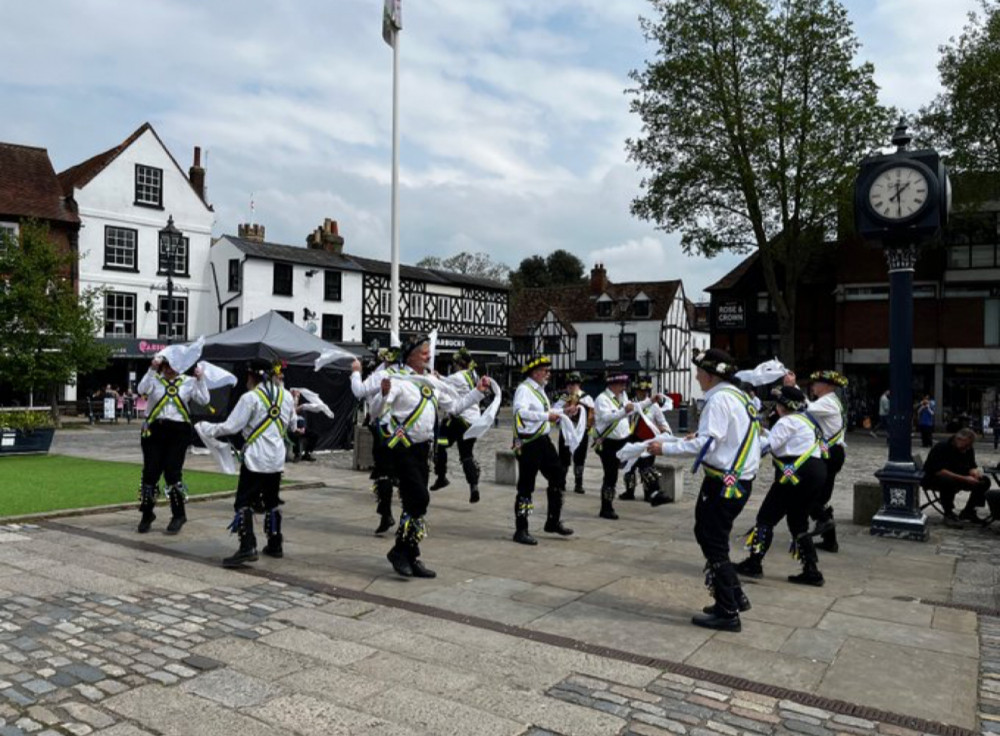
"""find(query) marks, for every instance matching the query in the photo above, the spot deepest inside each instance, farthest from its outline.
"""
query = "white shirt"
(724, 421)
(266, 454)
(190, 388)
(370, 388)
(829, 415)
(463, 382)
(607, 411)
(532, 407)
(404, 396)
(792, 436)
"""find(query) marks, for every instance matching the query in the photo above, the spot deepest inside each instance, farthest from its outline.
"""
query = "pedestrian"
(950, 468)
(535, 453)
(827, 411)
(411, 400)
(262, 415)
(647, 422)
(727, 447)
(382, 475)
(611, 432)
(574, 396)
(883, 415)
(795, 443)
(164, 438)
(925, 421)
(452, 428)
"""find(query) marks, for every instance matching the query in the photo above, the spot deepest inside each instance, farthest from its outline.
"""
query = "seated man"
(951, 467)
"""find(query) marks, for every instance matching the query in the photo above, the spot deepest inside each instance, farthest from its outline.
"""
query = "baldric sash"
(522, 438)
(401, 430)
(171, 395)
(272, 405)
(731, 478)
(788, 471)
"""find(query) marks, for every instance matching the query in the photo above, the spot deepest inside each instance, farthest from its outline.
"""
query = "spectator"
(925, 421)
(951, 467)
(883, 415)
(302, 436)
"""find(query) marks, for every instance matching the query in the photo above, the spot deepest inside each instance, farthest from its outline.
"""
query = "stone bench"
(867, 502)
(363, 458)
(505, 473)
(671, 479)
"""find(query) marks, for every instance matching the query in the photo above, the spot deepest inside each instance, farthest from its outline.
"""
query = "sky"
(512, 113)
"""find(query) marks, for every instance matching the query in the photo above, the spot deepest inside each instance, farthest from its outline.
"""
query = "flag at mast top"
(392, 20)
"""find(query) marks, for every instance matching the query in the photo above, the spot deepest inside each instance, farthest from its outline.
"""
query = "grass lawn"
(34, 483)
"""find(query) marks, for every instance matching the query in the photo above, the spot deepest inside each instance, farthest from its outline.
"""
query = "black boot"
(272, 528)
(383, 492)
(650, 478)
(824, 521)
(471, 469)
(751, 567)
(398, 556)
(829, 540)
(439, 483)
(147, 501)
(419, 569)
(724, 615)
(758, 542)
(742, 602)
(178, 496)
(243, 525)
(522, 508)
(553, 524)
(578, 479)
(629, 494)
(810, 574)
(607, 503)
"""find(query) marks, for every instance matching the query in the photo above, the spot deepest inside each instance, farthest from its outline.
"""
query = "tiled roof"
(577, 303)
(733, 277)
(29, 186)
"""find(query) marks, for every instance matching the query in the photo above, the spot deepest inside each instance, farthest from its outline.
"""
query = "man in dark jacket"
(951, 467)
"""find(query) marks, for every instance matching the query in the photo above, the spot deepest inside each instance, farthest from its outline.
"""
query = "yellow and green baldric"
(272, 403)
(599, 437)
(788, 471)
(171, 395)
(731, 478)
(825, 443)
(401, 430)
(520, 437)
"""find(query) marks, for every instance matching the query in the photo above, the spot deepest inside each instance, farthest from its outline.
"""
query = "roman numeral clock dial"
(898, 193)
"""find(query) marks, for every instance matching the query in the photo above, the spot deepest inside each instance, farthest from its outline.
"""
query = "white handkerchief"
(182, 357)
(479, 427)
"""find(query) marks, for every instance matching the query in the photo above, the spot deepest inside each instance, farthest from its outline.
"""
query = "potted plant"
(25, 431)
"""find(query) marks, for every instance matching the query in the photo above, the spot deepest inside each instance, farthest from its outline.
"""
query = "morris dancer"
(452, 429)
(533, 415)
(574, 396)
(165, 436)
(411, 400)
(611, 431)
(262, 415)
(795, 443)
(828, 412)
(381, 473)
(647, 422)
(727, 446)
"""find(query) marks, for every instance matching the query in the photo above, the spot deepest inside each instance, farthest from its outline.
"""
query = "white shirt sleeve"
(200, 392)
(147, 383)
(236, 421)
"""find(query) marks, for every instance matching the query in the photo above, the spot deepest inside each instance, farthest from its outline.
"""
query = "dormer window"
(641, 307)
(148, 186)
(604, 306)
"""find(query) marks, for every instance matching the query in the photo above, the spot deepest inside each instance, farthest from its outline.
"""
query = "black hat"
(574, 377)
(616, 374)
(260, 368)
(645, 383)
(832, 377)
(715, 361)
(462, 357)
(790, 397)
(410, 345)
(538, 361)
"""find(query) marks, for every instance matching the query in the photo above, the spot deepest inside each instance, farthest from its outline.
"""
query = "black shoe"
(828, 545)
(274, 548)
(971, 515)
(308, 458)
(750, 568)
(715, 620)
(578, 489)
(148, 517)
(440, 483)
(242, 556)
(808, 578)
(400, 563)
(521, 536)
(296, 459)
(473, 495)
(822, 527)
(176, 522)
(658, 499)
(420, 571)
(608, 513)
(556, 527)
(627, 496)
(743, 603)
(385, 524)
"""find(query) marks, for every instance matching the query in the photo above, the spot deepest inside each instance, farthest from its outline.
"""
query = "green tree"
(472, 264)
(48, 334)
(558, 268)
(963, 122)
(755, 115)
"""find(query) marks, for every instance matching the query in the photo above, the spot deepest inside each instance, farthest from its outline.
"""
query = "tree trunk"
(53, 393)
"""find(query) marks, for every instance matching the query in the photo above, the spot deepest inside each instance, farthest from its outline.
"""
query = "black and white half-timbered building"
(644, 326)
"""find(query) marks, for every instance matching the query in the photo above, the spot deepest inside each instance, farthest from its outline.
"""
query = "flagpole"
(394, 261)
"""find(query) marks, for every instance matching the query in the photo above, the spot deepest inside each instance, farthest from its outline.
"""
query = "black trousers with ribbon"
(539, 456)
(793, 501)
(714, 515)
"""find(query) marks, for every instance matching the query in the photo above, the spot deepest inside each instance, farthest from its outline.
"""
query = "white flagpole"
(394, 261)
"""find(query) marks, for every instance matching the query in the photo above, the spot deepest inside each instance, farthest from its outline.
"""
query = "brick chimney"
(326, 237)
(248, 231)
(196, 174)
(598, 280)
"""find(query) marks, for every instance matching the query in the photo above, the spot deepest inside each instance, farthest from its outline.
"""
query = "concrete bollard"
(671, 479)
(363, 457)
(867, 502)
(506, 468)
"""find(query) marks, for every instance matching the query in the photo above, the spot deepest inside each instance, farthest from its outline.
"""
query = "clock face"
(898, 193)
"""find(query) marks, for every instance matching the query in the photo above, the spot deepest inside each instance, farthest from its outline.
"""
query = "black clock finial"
(900, 138)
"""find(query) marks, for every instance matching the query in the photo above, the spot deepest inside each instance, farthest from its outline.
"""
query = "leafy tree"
(48, 334)
(964, 120)
(755, 115)
(471, 264)
(558, 268)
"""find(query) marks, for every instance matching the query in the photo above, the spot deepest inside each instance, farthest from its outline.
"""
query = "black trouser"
(412, 467)
(257, 491)
(163, 452)
(451, 433)
(714, 516)
(608, 453)
(381, 455)
(948, 488)
(304, 442)
(539, 456)
(834, 463)
(576, 458)
(791, 500)
(926, 436)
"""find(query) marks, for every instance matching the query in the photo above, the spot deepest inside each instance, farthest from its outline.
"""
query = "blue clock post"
(901, 201)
